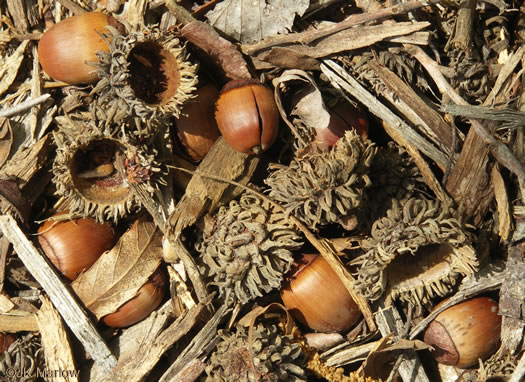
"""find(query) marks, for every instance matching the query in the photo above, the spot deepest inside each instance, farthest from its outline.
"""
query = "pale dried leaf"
(6, 140)
(9, 67)
(119, 273)
(252, 20)
(57, 348)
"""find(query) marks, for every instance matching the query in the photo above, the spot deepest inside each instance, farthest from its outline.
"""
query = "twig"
(353, 20)
(181, 14)
(499, 150)
(464, 27)
(519, 372)
(23, 106)
(72, 6)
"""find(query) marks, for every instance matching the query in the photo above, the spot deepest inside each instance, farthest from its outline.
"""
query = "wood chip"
(55, 341)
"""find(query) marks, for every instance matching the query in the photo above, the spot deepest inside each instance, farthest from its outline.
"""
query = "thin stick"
(499, 150)
(23, 106)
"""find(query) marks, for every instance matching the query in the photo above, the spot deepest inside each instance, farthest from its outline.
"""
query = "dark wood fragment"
(469, 180)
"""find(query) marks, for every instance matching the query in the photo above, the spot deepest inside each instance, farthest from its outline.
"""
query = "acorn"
(343, 116)
(147, 299)
(66, 49)
(247, 116)
(316, 296)
(466, 332)
(196, 128)
(73, 245)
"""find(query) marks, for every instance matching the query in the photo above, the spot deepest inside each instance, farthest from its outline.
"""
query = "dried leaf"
(249, 21)
(9, 67)
(118, 274)
(6, 140)
(219, 51)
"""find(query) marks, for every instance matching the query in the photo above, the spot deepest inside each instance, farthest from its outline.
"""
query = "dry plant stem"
(191, 268)
(464, 27)
(487, 279)
(410, 367)
(182, 15)
(64, 301)
(200, 345)
(23, 106)
(498, 149)
(350, 355)
(135, 368)
(57, 348)
(357, 19)
(400, 132)
(324, 247)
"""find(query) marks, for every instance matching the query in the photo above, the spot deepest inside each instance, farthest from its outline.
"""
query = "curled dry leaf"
(118, 274)
(249, 21)
(223, 54)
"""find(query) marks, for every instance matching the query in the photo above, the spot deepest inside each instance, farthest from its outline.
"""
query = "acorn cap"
(146, 76)
(93, 171)
(326, 187)
(270, 354)
(393, 175)
(414, 253)
(25, 355)
(248, 250)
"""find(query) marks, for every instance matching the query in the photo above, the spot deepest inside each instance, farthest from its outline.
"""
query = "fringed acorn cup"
(25, 356)
(146, 76)
(326, 187)
(248, 249)
(95, 173)
(414, 253)
(268, 355)
(393, 176)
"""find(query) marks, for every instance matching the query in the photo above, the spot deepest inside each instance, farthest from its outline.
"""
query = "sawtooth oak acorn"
(67, 48)
(466, 332)
(147, 299)
(247, 116)
(317, 297)
(196, 128)
(73, 245)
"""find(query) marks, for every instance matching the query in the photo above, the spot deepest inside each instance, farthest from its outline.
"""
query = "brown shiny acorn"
(465, 332)
(74, 245)
(147, 299)
(247, 116)
(67, 46)
(316, 296)
(343, 116)
(196, 128)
